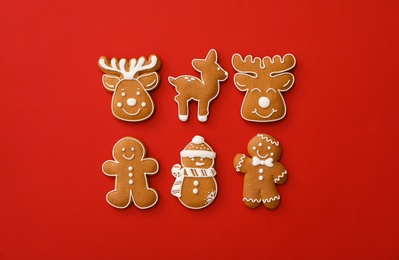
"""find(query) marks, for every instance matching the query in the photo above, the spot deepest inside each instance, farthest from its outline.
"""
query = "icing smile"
(128, 158)
(199, 164)
(130, 114)
(256, 113)
(263, 157)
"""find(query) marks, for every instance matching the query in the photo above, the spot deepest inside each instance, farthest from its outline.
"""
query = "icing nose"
(264, 102)
(131, 102)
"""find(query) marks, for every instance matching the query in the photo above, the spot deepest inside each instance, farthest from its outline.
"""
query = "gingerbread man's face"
(128, 150)
(197, 162)
(264, 146)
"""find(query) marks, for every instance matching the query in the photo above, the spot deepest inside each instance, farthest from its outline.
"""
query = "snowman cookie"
(131, 167)
(262, 171)
(195, 185)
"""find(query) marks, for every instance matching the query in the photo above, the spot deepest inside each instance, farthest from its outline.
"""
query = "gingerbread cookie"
(203, 90)
(262, 171)
(130, 82)
(263, 80)
(195, 183)
(131, 167)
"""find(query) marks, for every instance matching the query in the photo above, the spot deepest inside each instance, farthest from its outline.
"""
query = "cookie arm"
(150, 166)
(109, 167)
(279, 173)
(241, 163)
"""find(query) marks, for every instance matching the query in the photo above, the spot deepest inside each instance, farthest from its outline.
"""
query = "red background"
(339, 137)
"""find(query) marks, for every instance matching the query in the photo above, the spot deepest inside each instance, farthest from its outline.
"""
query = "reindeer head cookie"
(130, 81)
(263, 80)
(262, 171)
(203, 90)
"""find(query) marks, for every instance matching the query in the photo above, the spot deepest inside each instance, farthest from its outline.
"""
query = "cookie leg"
(119, 198)
(203, 110)
(270, 200)
(183, 107)
(144, 198)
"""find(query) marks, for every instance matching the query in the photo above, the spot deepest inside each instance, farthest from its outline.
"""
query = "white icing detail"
(261, 178)
(143, 104)
(210, 197)
(132, 149)
(195, 191)
(264, 200)
(123, 94)
(130, 168)
(288, 82)
(131, 114)
(183, 118)
(271, 89)
(239, 164)
(263, 157)
(131, 102)
(198, 139)
(123, 149)
(269, 147)
(259, 144)
(150, 84)
(240, 85)
(197, 172)
(196, 183)
(128, 158)
(199, 164)
(198, 153)
(119, 104)
(268, 162)
(138, 93)
(130, 175)
(254, 148)
(271, 154)
(264, 102)
(202, 118)
(261, 170)
(280, 176)
(130, 182)
(256, 113)
(252, 90)
(264, 137)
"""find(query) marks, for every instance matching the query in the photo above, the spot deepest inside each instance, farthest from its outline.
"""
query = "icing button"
(130, 175)
(196, 183)
(195, 191)
(130, 182)
(260, 170)
(130, 168)
(260, 178)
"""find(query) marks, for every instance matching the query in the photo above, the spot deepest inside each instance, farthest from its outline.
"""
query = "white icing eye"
(254, 148)
(119, 104)
(131, 102)
(269, 148)
(143, 104)
(260, 144)
(218, 68)
(123, 94)
(138, 93)
(192, 158)
(271, 154)
(132, 149)
(123, 149)
(201, 159)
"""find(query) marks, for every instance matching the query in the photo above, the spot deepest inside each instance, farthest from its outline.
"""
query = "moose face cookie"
(203, 90)
(262, 171)
(131, 167)
(195, 185)
(130, 81)
(263, 80)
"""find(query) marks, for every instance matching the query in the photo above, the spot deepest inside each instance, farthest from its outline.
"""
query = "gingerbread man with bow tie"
(262, 171)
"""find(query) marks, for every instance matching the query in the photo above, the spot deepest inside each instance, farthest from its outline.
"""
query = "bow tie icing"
(268, 162)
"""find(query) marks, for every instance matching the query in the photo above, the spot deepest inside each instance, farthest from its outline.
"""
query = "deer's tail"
(172, 81)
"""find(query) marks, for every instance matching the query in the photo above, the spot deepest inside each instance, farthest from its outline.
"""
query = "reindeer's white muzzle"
(131, 102)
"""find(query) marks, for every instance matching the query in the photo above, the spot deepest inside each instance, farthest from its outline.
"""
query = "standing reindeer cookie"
(203, 90)
(262, 171)
(263, 80)
(130, 81)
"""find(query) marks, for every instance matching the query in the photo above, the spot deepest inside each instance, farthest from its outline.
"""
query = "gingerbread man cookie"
(130, 82)
(203, 90)
(263, 80)
(130, 167)
(195, 183)
(262, 171)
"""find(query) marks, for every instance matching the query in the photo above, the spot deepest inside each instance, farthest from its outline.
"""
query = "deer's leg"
(183, 107)
(203, 110)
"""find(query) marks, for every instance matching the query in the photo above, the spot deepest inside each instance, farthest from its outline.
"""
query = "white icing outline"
(239, 164)
(131, 198)
(251, 73)
(132, 114)
(280, 176)
(262, 200)
(256, 113)
(205, 117)
(264, 137)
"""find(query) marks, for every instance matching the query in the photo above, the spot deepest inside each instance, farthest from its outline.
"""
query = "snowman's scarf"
(189, 172)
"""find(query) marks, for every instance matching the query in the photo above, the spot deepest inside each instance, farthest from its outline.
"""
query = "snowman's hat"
(198, 148)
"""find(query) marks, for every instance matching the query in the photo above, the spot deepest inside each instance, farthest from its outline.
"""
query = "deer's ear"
(243, 81)
(110, 82)
(149, 81)
(284, 81)
(212, 56)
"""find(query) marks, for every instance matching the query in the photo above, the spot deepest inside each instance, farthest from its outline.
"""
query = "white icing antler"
(127, 71)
